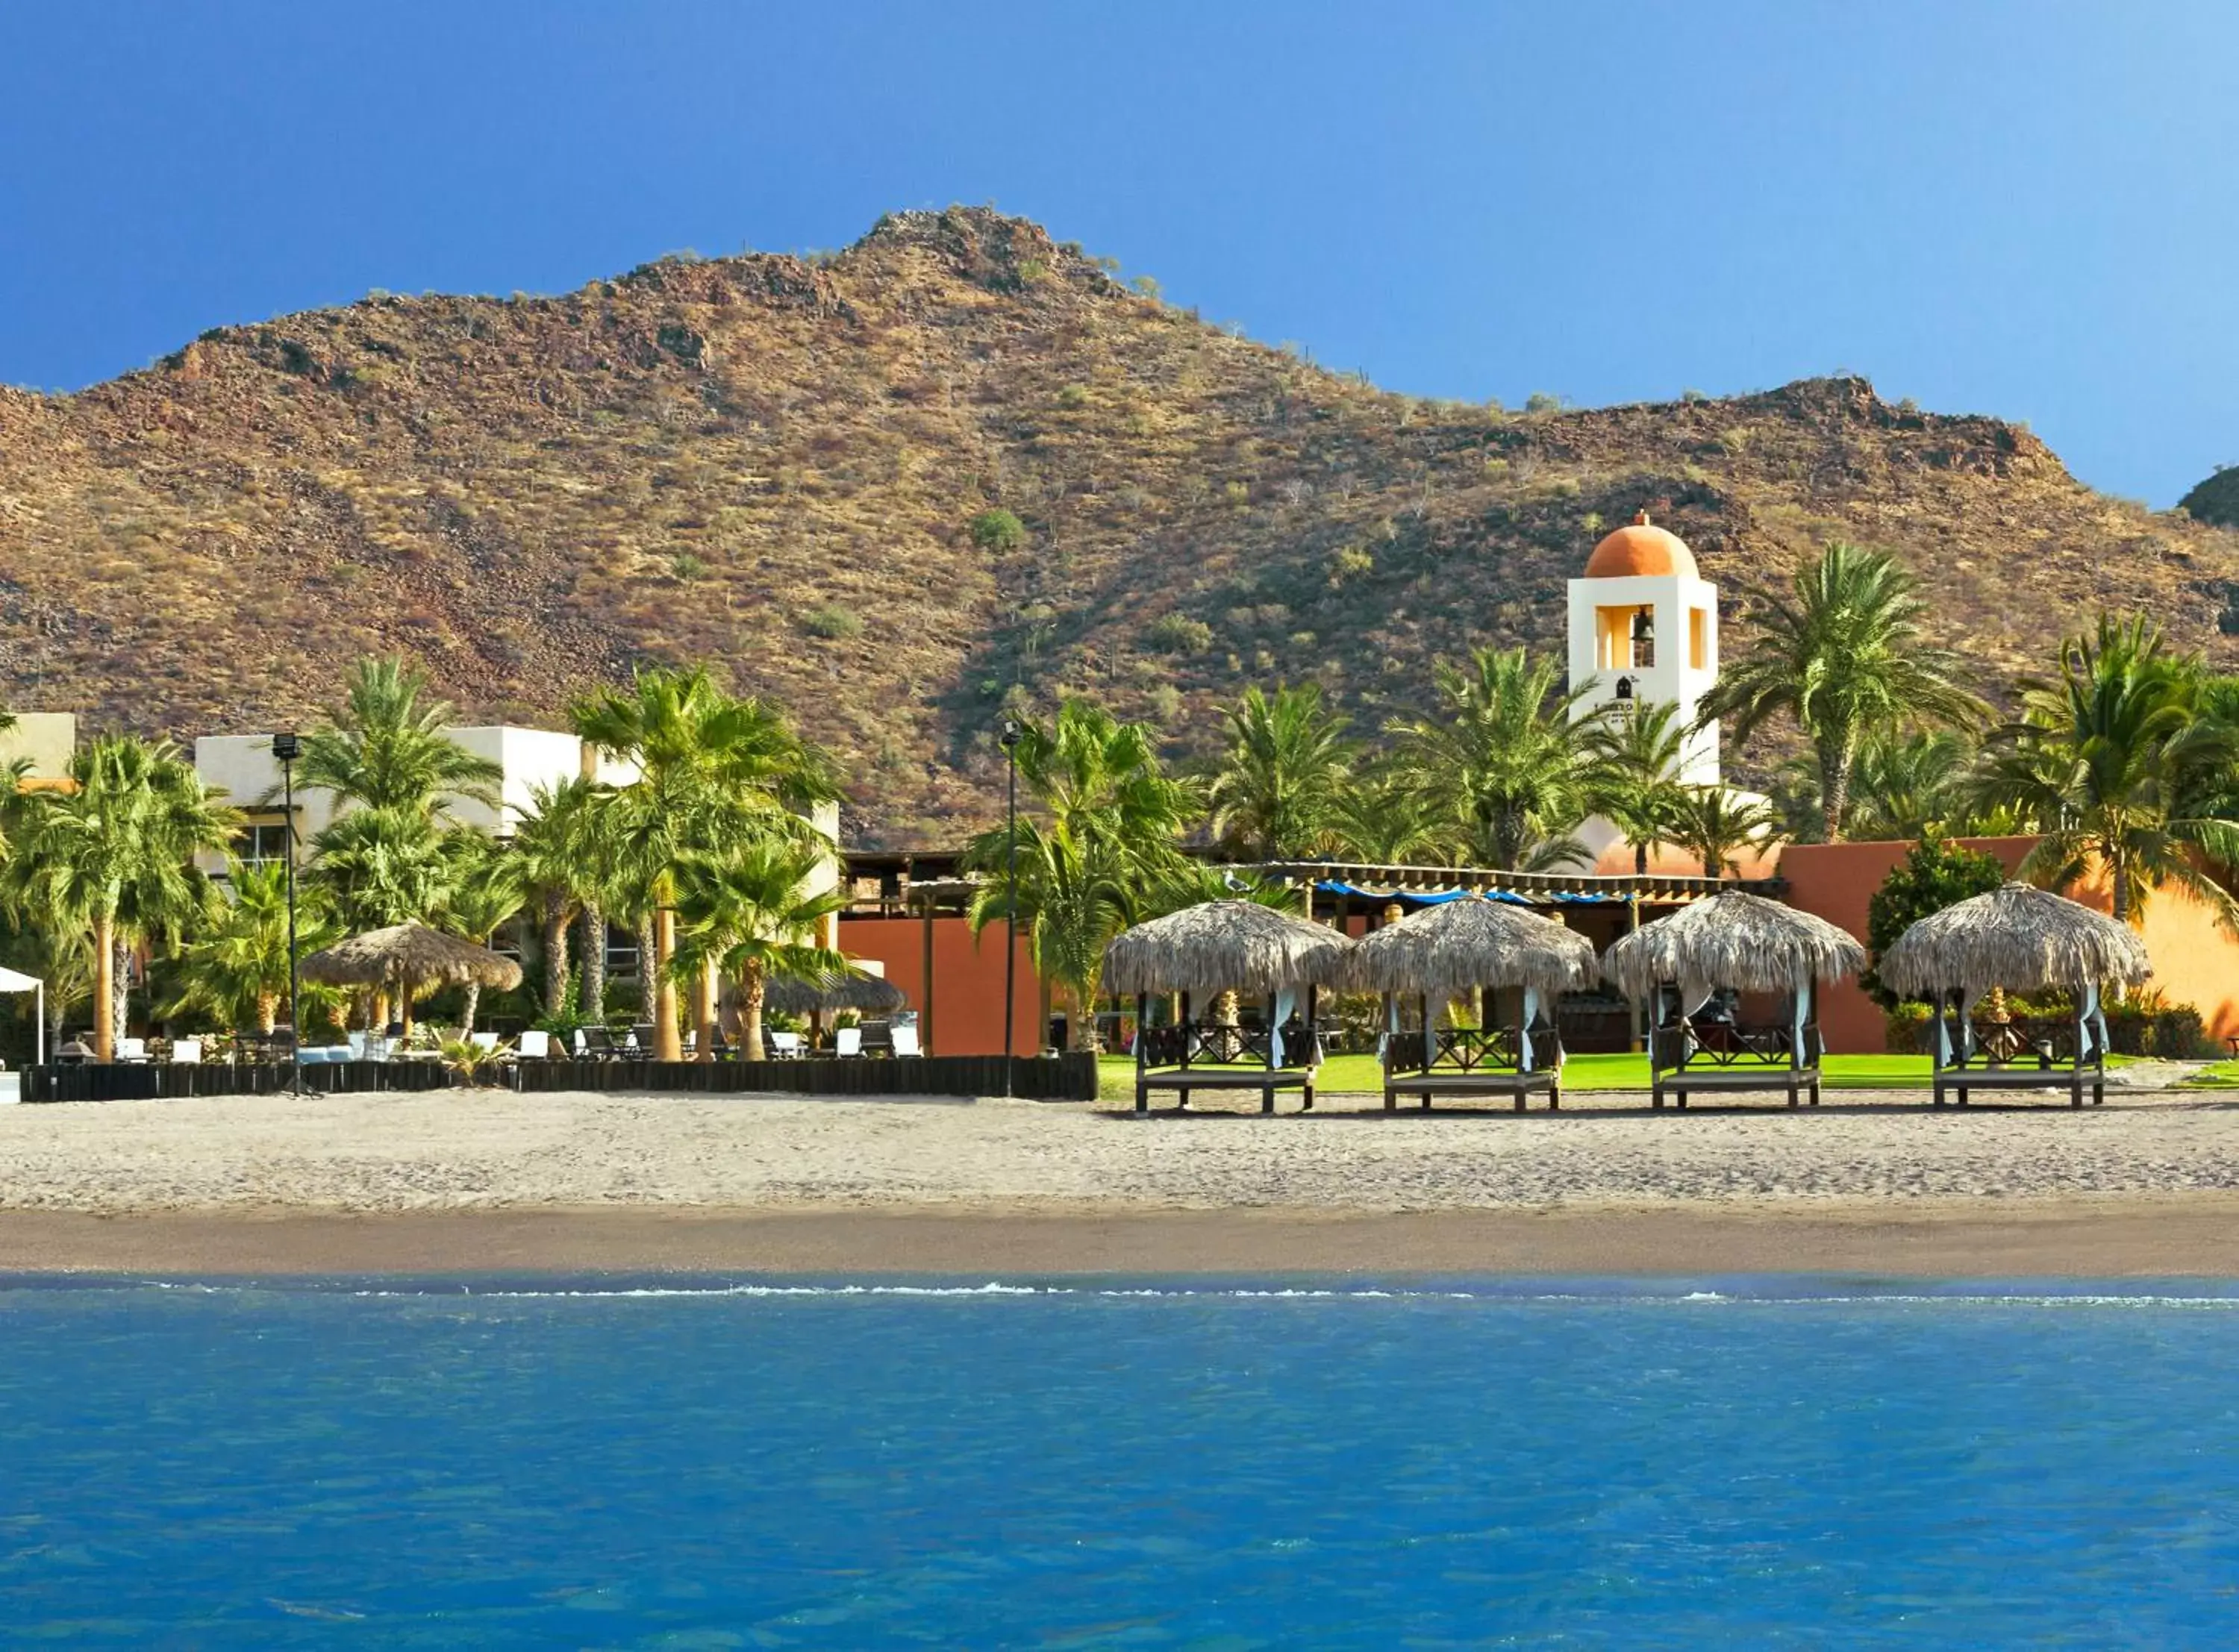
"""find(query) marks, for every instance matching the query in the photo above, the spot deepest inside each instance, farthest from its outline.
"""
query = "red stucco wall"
(967, 990)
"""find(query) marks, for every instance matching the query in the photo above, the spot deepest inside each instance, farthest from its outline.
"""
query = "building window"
(1699, 640)
(505, 940)
(621, 953)
(261, 843)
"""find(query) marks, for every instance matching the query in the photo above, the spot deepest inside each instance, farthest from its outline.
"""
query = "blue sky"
(2018, 209)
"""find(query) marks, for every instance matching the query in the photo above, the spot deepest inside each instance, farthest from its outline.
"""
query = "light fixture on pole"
(287, 748)
(1010, 738)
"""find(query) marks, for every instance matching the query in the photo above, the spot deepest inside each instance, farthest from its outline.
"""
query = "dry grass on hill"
(773, 464)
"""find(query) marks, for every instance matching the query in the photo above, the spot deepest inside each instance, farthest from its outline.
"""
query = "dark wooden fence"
(1066, 1078)
(135, 1081)
(1071, 1077)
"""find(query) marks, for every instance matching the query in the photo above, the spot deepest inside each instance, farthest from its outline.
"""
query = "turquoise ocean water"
(1126, 1464)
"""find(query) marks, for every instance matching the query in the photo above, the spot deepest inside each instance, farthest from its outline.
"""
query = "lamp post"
(1010, 893)
(287, 748)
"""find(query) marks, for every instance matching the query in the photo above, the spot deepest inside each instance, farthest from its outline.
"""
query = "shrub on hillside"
(832, 622)
(1177, 633)
(998, 530)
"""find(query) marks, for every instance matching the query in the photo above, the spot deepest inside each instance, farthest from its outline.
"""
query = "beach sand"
(489, 1181)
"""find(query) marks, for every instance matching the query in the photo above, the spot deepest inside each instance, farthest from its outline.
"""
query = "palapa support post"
(1142, 1048)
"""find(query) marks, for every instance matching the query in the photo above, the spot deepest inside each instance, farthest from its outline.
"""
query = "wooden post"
(925, 1006)
(1142, 1023)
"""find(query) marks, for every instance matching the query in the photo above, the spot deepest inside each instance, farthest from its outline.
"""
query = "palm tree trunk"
(104, 982)
(121, 984)
(667, 1045)
(555, 955)
(1834, 786)
(474, 1003)
(753, 986)
(594, 1006)
(704, 995)
(1640, 860)
(2119, 882)
(645, 985)
(267, 1013)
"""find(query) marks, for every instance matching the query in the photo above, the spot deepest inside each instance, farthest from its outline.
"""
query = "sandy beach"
(2149, 1184)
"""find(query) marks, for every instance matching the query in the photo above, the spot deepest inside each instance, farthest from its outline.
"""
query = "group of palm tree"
(707, 853)
(2125, 763)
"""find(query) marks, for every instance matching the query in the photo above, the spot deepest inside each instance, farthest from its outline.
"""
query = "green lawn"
(1359, 1074)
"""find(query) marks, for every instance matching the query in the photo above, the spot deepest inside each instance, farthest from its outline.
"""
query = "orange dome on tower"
(1641, 548)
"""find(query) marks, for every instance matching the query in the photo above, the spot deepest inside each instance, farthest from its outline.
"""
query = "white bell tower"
(1643, 628)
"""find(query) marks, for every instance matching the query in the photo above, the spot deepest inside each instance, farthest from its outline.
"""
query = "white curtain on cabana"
(11, 981)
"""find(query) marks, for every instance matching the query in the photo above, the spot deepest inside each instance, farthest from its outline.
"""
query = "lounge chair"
(186, 1052)
(534, 1046)
(784, 1046)
(482, 1040)
(595, 1044)
(848, 1041)
(905, 1039)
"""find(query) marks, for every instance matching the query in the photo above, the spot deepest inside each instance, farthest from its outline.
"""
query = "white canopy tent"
(11, 981)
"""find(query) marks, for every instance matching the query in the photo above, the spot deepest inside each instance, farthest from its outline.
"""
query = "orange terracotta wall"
(968, 988)
(2194, 962)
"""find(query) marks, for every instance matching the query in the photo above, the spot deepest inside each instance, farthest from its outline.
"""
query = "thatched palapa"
(866, 994)
(1224, 945)
(2017, 937)
(1733, 940)
(413, 953)
(1444, 950)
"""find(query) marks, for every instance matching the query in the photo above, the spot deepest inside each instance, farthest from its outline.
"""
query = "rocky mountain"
(778, 465)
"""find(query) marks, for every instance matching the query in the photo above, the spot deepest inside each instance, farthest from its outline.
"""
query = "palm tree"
(386, 748)
(235, 965)
(712, 770)
(1505, 761)
(2116, 765)
(1915, 785)
(1714, 825)
(1278, 788)
(1845, 655)
(115, 857)
(1381, 820)
(1114, 820)
(1638, 753)
(486, 892)
(747, 915)
(562, 872)
(381, 866)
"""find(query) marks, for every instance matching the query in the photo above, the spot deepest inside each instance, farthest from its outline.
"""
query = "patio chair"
(186, 1052)
(905, 1037)
(534, 1046)
(132, 1050)
(784, 1046)
(848, 1041)
(594, 1044)
(482, 1040)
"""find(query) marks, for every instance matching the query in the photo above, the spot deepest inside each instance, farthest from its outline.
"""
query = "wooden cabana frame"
(1218, 946)
(1745, 943)
(2023, 940)
(1482, 949)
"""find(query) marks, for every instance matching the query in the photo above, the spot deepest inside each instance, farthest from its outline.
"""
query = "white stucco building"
(1643, 630)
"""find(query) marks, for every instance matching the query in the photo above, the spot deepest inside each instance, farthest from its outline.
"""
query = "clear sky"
(2018, 207)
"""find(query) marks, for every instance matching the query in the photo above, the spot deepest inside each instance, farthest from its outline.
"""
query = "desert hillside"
(776, 464)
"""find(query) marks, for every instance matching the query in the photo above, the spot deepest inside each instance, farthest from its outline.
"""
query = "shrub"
(1540, 401)
(1350, 563)
(1905, 1029)
(998, 531)
(1177, 633)
(686, 567)
(1148, 285)
(1935, 874)
(1074, 395)
(831, 622)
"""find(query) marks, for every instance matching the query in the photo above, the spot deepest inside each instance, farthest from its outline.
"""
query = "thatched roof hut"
(2017, 937)
(1444, 950)
(412, 953)
(1732, 939)
(866, 994)
(1224, 945)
